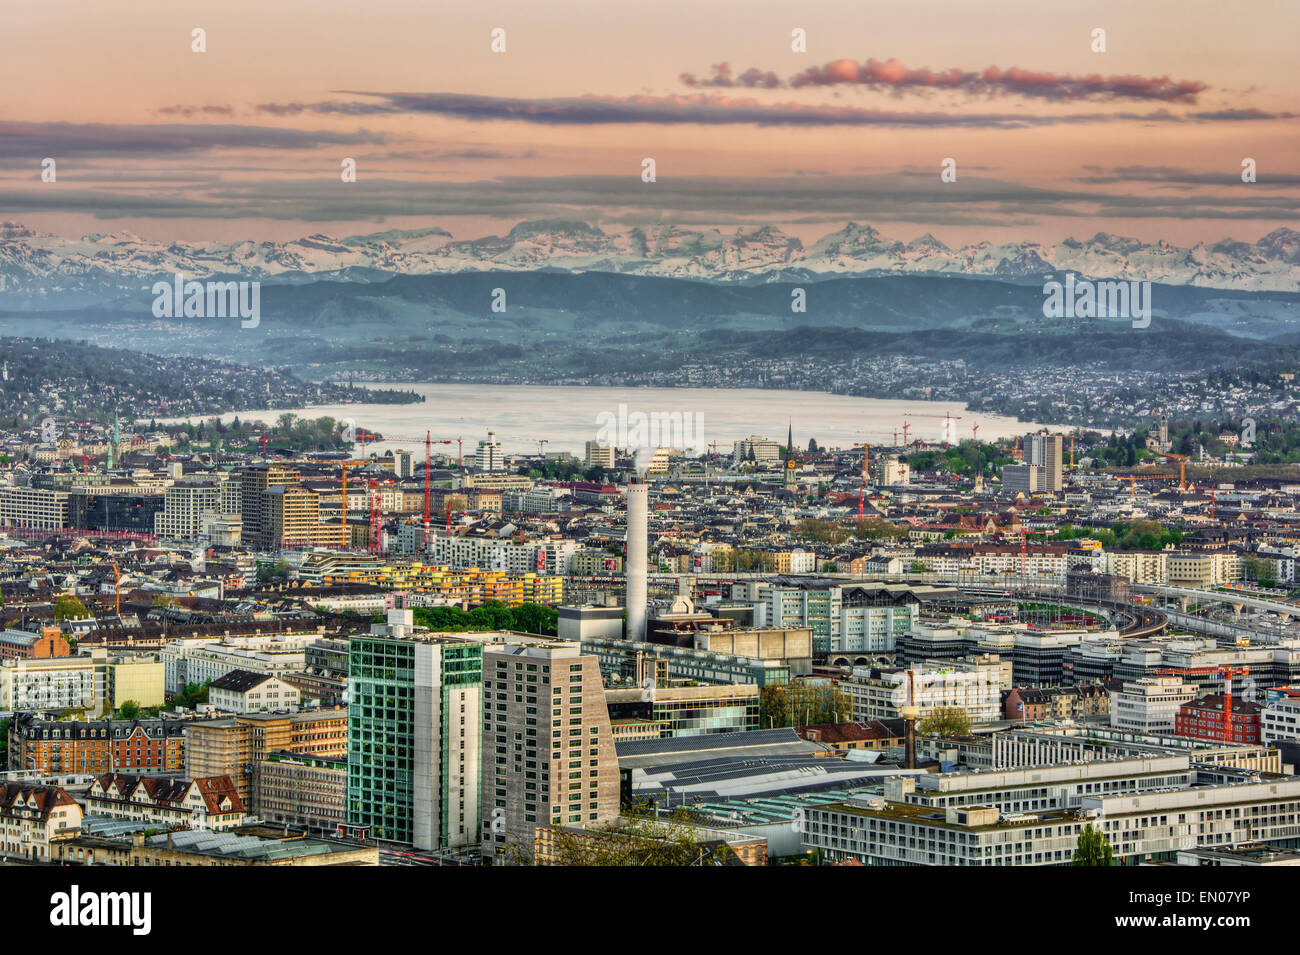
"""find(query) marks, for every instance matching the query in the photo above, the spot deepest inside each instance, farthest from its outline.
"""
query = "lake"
(569, 416)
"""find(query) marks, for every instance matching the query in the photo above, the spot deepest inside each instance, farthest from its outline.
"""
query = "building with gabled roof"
(243, 691)
(33, 818)
(209, 802)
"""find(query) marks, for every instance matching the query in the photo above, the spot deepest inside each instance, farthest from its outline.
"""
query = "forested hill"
(77, 380)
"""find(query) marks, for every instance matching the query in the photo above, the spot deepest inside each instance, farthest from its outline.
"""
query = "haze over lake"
(566, 416)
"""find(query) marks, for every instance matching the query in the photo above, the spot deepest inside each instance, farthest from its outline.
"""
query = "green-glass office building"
(415, 718)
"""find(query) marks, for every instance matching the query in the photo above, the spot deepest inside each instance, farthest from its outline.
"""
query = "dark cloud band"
(893, 76)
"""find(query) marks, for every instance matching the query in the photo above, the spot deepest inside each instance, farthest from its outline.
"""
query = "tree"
(191, 696)
(945, 721)
(1093, 848)
(802, 704)
(638, 837)
(266, 573)
(68, 607)
(491, 615)
(535, 618)
(129, 710)
(773, 706)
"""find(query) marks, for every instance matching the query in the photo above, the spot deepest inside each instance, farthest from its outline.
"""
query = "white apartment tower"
(490, 456)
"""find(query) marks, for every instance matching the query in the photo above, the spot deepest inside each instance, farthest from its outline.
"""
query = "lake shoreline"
(565, 417)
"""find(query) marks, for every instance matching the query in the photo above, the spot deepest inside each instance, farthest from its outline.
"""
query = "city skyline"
(747, 434)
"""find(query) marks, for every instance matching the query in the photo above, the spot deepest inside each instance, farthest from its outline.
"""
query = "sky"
(1049, 138)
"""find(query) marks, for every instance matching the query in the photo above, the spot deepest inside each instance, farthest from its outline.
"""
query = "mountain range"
(39, 270)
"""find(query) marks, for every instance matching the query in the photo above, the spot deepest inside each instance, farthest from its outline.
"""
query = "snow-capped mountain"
(36, 265)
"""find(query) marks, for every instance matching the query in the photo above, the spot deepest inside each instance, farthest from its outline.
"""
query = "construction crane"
(1182, 460)
(266, 438)
(374, 436)
(866, 456)
(347, 534)
(374, 519)
(1227, 671)
(390, 438)
(361, 434)
(1134, 478)
(427, 441)
(882, 436)
(947, 417)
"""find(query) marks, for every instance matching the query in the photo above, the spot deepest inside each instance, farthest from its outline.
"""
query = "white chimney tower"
(638, 502)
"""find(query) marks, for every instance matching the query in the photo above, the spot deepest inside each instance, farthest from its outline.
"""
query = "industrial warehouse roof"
(767, 809)
(231, 844)
(748, 776)
(641, 753)
(19, 638)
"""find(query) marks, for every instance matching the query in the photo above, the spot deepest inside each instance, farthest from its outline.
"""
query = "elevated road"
(1237, 600)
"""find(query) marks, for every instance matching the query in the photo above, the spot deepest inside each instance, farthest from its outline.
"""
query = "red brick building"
(873, 734)
(1203, 719)
(52, 747)
(17, 644)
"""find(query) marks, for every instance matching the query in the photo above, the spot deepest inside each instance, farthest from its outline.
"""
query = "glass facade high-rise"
(414, 735)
